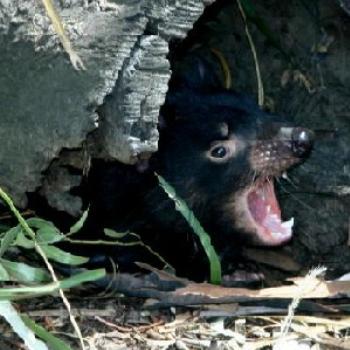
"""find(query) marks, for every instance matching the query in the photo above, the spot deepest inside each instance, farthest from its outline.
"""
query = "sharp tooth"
(284, 175)
(268, 208)
(276, 234)
(288, 224)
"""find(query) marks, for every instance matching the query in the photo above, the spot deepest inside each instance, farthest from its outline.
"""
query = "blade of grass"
(53, 342)
(251, 14)
(79, 224)
(181, 206)
(58, 25)
(261, 96)
(11, 315)
(50, 288)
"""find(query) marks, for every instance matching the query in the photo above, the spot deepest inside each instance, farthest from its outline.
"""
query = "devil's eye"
(218, 152)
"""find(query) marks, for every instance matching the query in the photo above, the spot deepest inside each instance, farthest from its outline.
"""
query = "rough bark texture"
(48, 108)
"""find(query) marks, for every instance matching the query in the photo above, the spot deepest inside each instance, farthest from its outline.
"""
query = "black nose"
(302, 141)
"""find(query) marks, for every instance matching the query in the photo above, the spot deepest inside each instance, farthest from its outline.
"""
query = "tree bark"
(48, 109)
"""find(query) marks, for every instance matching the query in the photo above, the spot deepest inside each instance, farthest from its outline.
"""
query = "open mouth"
(265, 213)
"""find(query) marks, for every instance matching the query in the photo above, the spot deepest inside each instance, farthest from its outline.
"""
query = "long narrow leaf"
(79, 224)
(263, 27)
(59, 255)
(9, 238)
(24, 273)
(53, 342)
(4, 276)
(51, 288)
(13, 318)
(181, 206)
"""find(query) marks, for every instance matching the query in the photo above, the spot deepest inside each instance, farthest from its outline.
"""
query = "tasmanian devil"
(221, 153)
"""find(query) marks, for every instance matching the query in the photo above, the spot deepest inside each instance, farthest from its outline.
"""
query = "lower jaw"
(256, 232)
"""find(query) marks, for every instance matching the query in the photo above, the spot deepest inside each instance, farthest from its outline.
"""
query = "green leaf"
(113, 234)
(39, 223)
(51, 288)
(79, 224)
(23, 241)
(181, 206)
(46, 231)
(9, 238)
(4, 276)
(49, 235)
(10, 314)
(53, 342)
(59, 255)
(24, 273)
(83, 277)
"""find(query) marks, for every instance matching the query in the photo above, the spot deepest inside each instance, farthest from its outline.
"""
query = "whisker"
(289, 180)
(296, 198)
(269, 180)
(301, 167)
(254, 177)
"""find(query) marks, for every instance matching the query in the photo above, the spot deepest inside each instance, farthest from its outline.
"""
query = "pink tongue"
(264, 208)
(257, 206)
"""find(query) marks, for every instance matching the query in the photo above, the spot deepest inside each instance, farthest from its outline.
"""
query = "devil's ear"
(195, 75)
(199, 71)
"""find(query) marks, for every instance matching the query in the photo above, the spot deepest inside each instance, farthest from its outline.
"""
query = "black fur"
(198, 113)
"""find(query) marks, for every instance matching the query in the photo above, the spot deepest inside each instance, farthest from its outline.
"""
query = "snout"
(302, 141)
(288, 147)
